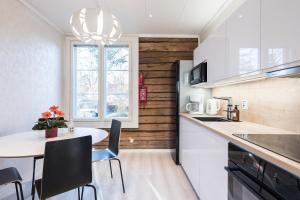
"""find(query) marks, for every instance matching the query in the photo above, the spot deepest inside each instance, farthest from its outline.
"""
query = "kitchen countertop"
(227, 129)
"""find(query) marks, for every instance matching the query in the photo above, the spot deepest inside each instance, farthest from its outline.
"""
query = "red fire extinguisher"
(142, 91)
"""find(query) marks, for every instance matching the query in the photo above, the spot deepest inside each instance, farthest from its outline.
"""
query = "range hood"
(287, 72)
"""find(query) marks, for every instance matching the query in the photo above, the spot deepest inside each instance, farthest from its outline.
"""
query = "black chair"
(11, 175)
(112, 151)
(67, 166)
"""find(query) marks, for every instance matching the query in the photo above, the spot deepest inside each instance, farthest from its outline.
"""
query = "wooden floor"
(147, 175)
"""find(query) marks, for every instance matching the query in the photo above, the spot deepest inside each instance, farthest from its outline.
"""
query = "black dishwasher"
(252, 178)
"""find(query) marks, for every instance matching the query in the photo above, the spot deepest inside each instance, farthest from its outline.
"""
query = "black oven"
(199, 74)
(252, 178)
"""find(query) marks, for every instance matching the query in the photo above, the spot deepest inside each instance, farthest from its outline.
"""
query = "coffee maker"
(196, 105)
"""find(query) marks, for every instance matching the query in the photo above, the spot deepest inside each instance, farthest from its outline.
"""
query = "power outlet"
(245, 104)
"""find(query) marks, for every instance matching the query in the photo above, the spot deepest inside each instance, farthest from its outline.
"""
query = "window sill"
(105, 124)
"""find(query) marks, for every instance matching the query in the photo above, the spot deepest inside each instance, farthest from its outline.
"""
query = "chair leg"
(95, 191)
(78, 191)
(21, 190)
(111, 174)
(17, 191)
(82, 193)
(121, 173)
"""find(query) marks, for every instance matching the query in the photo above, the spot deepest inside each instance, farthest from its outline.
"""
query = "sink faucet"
(229, 106)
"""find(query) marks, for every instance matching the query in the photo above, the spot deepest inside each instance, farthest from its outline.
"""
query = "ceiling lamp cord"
(100, 3)
(148, 8)
(97, 25)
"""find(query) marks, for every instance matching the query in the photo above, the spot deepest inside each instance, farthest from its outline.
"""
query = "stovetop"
(287, 145)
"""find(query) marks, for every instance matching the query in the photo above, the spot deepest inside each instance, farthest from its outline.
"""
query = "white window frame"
(133, 120)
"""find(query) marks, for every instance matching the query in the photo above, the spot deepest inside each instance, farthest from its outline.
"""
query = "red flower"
(53, 108)
(60, 113)
(46, 115)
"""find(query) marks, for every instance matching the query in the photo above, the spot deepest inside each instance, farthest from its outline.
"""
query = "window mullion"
(73, 84)
(130, 83)
(101, 83)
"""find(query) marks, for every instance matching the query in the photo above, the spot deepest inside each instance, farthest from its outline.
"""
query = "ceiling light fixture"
(96, 25)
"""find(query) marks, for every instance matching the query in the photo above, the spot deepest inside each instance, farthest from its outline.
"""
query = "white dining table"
(32, 143)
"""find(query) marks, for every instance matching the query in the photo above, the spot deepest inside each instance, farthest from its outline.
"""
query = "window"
(117, 81)
(86, 82)
(102, 83)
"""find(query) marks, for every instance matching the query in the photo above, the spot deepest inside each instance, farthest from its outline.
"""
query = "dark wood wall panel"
(160, 74)
(157, 67)
(157, 120)
(167, 47)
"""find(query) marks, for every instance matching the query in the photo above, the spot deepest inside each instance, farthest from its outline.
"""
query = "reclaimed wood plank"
(162, 96)
(160, 81)
(177, 40)
(167, 46)
(157, 112)
(162, 88)
(159, 74)
(158, 66)
(157, 119)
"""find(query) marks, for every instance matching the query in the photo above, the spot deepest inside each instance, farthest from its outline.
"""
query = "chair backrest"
(67, 165)
(114, 136)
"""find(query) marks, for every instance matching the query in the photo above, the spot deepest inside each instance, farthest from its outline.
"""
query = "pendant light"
(96, 25)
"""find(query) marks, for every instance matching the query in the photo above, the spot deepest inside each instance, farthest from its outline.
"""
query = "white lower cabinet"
(203, 156)
(189, 151)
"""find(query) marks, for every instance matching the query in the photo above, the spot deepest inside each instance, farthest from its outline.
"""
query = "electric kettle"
(212, 106)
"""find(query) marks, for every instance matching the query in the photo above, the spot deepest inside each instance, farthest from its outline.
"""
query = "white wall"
(30, 74)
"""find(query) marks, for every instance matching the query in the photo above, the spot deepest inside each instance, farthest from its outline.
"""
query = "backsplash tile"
(273, 102)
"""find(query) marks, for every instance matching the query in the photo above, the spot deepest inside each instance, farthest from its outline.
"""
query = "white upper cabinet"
(216, 57)
(260, 34)
(198, 55)
(243, 34)
(280, 35)
(213, 51)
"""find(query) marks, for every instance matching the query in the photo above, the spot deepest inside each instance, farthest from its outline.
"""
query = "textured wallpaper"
(30, 73)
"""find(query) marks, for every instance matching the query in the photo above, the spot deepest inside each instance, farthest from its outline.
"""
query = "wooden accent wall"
(157, 121)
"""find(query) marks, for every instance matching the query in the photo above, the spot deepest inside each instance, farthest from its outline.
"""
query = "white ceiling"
(169, 16)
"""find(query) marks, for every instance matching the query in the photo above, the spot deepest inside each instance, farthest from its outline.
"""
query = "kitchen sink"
(212, 119)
